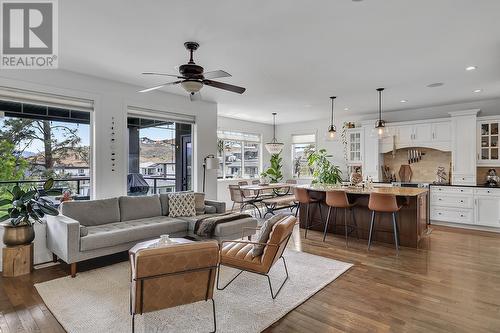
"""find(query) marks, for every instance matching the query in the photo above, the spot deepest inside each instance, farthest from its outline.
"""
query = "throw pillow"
(263, 235)
(181, 204)
(199, 203)
(210, 209)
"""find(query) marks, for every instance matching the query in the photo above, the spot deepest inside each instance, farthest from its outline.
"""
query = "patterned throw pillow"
(263, 235)
(181, 204)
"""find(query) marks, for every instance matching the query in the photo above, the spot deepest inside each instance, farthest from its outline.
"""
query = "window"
(160, 154)
(239, 155)
(302, 146)
(41, 141)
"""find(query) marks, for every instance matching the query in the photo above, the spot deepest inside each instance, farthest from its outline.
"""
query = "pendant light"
(274, 147)
(332, 130)
(380, 128)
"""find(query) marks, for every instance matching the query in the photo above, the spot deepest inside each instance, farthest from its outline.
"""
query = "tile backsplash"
(423, 171)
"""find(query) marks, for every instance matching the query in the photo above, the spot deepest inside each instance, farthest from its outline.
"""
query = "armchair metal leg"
(227, 284)
(282, 284)
(215, 319)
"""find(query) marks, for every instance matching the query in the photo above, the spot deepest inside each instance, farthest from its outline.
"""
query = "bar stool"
(384, 203)
(303, 198)
(338, 199)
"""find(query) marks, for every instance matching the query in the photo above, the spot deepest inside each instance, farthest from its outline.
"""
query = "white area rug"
(98, 301)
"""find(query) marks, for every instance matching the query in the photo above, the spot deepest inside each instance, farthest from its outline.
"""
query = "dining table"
(273, 196)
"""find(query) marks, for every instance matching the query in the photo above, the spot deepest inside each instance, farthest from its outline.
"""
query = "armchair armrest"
(63, 237)
(247, 242)
(220, 206)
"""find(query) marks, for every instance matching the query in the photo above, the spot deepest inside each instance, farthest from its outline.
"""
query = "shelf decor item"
(274, 147)
(332, 130)
(23, 210)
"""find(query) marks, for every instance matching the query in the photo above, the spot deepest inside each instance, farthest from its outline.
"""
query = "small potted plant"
(324, 171)
(23, 210)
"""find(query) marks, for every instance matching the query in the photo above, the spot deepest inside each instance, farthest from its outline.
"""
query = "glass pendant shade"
(332, 130)
(274, 147)
(380, 130)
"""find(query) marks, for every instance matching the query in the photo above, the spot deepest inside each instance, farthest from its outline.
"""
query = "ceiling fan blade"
(160, 86)
(225, 86)
(164, 74)
(215, 74)
(195, 97)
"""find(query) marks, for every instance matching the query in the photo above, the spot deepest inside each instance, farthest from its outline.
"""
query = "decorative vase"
(17, 235)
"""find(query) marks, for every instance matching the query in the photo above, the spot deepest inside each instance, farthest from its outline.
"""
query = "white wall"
(111, 100)
(266, 132)
(335, 148)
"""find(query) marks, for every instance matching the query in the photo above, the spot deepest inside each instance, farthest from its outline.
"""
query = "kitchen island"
(412, 219)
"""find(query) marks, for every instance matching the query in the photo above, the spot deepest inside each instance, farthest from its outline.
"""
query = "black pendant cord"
(274, 127)
(331, 121)
(380, 103)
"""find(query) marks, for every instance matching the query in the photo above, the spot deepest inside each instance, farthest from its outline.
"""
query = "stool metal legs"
(346, 226)
(394, 226)
(308, 217)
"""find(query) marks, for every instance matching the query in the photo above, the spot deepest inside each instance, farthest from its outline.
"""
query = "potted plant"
(263, 178)
(24, 209)
(324, 171)
(274, 171)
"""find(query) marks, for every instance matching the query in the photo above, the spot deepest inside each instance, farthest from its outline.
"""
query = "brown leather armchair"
(238, 254)
(173, 275)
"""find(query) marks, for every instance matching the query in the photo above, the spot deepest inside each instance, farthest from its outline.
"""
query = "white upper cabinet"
(487, 142)
(441, 131)
(355, 145)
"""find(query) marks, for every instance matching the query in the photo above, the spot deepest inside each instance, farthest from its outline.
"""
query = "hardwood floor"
(451, 284)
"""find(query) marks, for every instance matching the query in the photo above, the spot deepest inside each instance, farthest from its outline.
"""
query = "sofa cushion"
(181, 204)
(164, 204)
(134, 208)
(112, 234)
(92, 212)
(199, 203)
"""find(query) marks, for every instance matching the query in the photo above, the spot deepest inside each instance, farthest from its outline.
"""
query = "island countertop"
(398, 191)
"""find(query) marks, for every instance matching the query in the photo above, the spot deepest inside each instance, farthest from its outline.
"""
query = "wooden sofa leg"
(73, 269)
(54, 257)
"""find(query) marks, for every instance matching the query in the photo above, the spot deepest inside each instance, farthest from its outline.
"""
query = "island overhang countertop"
(398, 191)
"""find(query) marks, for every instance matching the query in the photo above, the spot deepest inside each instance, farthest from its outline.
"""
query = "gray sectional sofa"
(90, 229)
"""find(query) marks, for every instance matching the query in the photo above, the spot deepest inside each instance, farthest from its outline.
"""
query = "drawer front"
(447, 200)
(444, 214)
(460, 179)
(452, 190)
(487, 191)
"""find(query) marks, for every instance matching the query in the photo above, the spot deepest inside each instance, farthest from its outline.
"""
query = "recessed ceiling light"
(403, 101)
(436, 84)
(470, 68)
(346, 109)
(478, 90)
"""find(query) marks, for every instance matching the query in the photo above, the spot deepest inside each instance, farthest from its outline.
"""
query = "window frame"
(292, 150)
(242, 143)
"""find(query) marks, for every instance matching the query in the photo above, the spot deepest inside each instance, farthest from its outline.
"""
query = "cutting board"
(405, 173)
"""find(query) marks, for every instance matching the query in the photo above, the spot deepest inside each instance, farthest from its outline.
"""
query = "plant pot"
(17, 235)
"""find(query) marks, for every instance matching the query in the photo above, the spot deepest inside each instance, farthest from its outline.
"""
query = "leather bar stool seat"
(303, 197)
(338, 200)
(384, 203)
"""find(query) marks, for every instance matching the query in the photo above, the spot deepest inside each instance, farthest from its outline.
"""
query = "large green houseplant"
(274, 171)
(324, 171)
(22, 210)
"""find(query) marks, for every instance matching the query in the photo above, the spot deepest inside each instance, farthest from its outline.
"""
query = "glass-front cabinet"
(355, 146)
(488, 142)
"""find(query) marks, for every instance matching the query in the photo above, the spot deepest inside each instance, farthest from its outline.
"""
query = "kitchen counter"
(397, 191)
(412, 219)
(478, 185)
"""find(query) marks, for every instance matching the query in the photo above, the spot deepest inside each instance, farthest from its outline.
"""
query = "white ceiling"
(292, 55)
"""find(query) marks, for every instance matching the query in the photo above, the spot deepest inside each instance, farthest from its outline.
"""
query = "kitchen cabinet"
(422, 132)
(441, 131)
(464, 148)
(465, 205)
(487, 142)
(355, 146)
(431, 134)
(371, 157)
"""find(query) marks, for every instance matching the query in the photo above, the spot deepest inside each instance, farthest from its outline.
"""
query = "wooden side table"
(17, 260)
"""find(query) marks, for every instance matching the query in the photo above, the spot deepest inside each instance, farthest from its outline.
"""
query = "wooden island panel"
(412, 219)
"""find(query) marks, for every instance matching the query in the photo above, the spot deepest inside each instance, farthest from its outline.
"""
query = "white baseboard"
(466, 226)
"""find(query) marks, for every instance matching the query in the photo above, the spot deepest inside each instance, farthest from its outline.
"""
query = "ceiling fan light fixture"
(192, 86)
(274, 147)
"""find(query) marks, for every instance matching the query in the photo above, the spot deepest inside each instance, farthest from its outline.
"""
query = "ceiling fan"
(192, 77)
